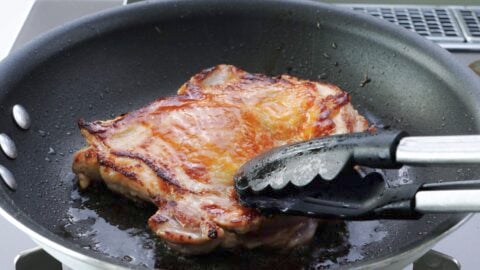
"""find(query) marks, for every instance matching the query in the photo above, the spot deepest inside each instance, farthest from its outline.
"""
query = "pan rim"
(21, 220)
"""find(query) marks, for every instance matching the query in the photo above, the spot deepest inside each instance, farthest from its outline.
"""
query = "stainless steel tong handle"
(431, 150)
(447, 201)
(428, 150)
(448, 197)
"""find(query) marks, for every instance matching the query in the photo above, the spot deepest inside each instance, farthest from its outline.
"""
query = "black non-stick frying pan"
(119, 60)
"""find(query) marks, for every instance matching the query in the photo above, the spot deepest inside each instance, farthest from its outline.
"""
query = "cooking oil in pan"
(109, 224)
(113, 226)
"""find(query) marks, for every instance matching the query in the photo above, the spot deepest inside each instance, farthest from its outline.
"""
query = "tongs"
(324, 177)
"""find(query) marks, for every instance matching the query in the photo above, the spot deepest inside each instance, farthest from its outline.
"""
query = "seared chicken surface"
(181, 152)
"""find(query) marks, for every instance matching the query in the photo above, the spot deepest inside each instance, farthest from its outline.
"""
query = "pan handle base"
(434, 260)
(36, 258)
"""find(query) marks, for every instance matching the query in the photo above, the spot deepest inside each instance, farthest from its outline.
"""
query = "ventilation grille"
(469, 22)
(452, 27)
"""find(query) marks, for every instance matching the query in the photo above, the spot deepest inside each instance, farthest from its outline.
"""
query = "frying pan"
(119, 60)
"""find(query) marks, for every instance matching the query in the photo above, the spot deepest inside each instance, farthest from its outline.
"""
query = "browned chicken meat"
(181, 152)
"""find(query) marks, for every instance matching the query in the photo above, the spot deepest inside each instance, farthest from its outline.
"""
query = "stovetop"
(46, 14)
